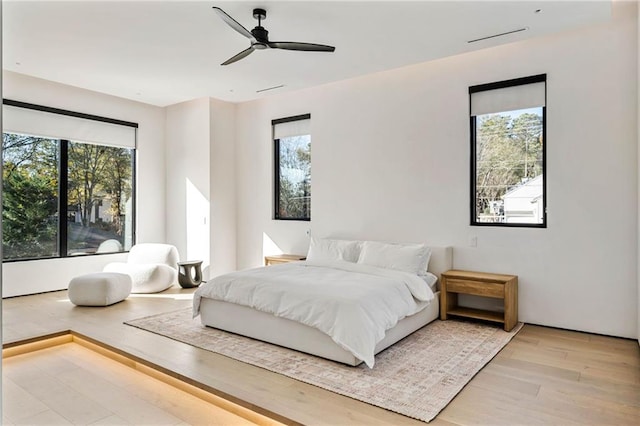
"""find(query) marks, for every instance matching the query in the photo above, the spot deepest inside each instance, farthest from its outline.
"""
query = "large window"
(61, 196)
(292, 167)
(508, 139)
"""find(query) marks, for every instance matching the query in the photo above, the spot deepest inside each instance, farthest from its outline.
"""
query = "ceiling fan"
(259, 37)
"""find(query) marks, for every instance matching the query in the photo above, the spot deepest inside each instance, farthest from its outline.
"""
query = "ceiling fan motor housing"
(260, 34)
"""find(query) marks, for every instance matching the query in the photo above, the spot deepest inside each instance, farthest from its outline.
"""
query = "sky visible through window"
(293, 167)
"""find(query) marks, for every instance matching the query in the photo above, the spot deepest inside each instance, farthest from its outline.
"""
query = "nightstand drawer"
(476, 288)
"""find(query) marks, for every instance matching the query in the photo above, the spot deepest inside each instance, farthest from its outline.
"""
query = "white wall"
(46, 275)
(638, 211)
(254, 153)
(391, 162)
(201, 183)
(188, 180)
(223, 187)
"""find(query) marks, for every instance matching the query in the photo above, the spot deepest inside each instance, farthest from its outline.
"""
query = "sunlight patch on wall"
(269, 247)
(197, 216)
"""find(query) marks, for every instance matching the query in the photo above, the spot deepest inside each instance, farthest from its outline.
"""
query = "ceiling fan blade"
(234, 24)
(309, 47)
(239, 56)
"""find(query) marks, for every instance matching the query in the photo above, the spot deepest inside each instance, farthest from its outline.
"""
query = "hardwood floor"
(70, 384)
(543, 376)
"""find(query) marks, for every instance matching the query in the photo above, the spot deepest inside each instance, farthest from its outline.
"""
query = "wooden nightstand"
(282, 258)
(497, 286)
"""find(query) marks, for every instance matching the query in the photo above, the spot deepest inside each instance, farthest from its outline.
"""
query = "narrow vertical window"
(292, 168)
(508, 164)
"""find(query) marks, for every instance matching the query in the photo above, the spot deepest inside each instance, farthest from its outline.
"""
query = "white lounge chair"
(152, 267)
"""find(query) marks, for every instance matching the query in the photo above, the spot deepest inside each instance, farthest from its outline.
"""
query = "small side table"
(277, 259)
(498, 286)
(190, 273)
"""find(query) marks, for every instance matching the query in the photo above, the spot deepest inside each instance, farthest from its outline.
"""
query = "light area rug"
(416, 377)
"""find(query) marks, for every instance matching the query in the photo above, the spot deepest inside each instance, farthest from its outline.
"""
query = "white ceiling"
(166, 52)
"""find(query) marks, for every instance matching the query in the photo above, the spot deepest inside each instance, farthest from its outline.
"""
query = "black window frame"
(63, 181)
(276, 168)
(539, 78)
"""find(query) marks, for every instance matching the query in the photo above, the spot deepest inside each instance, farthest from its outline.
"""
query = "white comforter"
(354, 304)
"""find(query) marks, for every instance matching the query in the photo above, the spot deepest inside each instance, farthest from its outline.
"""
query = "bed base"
(290, 334)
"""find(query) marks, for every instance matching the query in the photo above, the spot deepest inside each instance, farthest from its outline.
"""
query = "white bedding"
(353, 303)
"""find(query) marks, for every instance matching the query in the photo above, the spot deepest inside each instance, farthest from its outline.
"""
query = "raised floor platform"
(543, 375)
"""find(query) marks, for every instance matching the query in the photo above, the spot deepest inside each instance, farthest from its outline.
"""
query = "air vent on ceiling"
(498, 35)
(269, 88)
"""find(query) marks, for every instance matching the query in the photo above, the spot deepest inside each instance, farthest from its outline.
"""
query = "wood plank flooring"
(70, 384)
(543, 376)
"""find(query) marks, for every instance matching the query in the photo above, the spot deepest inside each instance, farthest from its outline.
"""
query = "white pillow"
(430, 279)
(326, 250)
(413, 258)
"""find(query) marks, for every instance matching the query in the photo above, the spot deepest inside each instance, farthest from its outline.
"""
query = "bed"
(332, 258)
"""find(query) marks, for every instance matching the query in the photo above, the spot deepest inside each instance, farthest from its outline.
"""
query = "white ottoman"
(99, 289)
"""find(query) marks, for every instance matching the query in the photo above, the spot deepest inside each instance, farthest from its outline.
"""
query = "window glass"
(294, 171)
(509, 180)
(29, 196)
(98, 216)
(99, 198)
